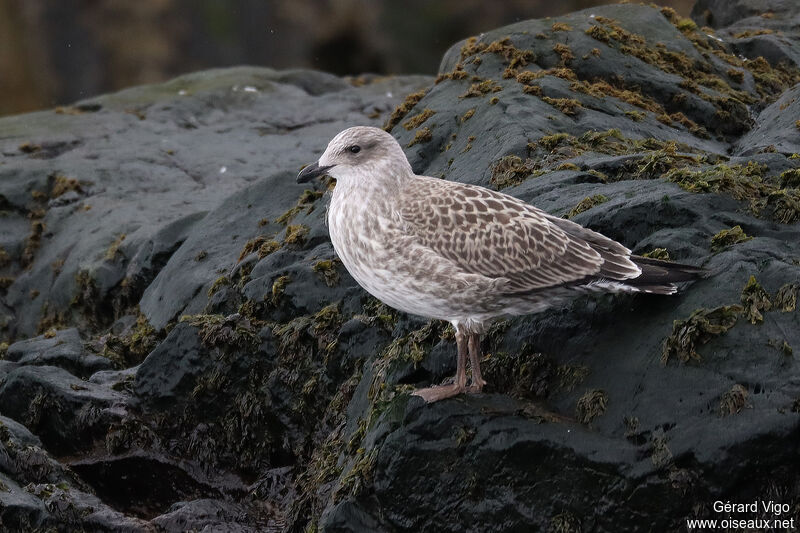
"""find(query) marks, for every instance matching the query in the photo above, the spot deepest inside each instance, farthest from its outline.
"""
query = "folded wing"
(498, 236)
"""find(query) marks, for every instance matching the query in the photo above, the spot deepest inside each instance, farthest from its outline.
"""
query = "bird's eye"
(354, 149)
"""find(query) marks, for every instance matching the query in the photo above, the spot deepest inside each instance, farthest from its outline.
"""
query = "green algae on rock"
(660, 454)
(513, 57)
(267, 247)
(421, 136)
(744, 183)
(734, 400)
(417, 120)
(510, 170)
(565, 522)
(570, 376)
(754, 300)
(790, 178)
(568, 106)
(132, 346)
(481, 88)
(223, 332)
(296, 234)
(728, 237)
(701, 326)
(786, 298)
(657, 253)
(278, 287)
(328, 271)
(591, 405)
(586, 204)
(219, 283)
(403, 109)
(524, 375)
(327, 318)
(304, 203)
(60, 185)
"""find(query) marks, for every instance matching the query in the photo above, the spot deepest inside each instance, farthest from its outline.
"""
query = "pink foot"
(434, 394)
(476, 386)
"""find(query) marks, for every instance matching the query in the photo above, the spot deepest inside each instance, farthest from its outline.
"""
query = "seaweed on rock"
(701, 326)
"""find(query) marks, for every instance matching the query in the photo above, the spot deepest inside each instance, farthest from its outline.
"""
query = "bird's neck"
(372, 183)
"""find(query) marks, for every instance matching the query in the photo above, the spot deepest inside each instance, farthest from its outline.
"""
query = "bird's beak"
(312, 171)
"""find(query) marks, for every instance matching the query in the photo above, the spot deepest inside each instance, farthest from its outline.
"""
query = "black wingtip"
(656, 271)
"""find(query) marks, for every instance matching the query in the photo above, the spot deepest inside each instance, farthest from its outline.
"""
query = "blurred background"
(54, 52)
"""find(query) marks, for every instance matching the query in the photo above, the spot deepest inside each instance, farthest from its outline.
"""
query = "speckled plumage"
(459, 252)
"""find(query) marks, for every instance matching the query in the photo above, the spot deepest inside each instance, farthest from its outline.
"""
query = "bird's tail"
(659, 277)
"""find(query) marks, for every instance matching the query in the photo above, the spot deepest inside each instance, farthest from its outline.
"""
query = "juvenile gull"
(463, 253)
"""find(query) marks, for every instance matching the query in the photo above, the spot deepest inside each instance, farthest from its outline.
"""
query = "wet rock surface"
(183, 350)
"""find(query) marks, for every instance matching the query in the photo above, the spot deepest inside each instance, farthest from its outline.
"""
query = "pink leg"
(475, 361)
(434, 394)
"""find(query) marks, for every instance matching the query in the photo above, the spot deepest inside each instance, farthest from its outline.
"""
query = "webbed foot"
(434, 394)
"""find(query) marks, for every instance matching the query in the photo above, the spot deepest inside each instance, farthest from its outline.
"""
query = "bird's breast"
(359, 231)
(384, 259)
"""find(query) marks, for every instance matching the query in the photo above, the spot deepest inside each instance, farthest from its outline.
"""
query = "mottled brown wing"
(617, 262)
(495, 235)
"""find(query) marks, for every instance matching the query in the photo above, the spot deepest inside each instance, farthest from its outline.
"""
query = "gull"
(464, 253)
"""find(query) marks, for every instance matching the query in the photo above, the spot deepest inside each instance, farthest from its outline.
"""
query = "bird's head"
(360, 153)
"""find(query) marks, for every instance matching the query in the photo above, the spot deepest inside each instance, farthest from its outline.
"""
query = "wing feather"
(498, 236)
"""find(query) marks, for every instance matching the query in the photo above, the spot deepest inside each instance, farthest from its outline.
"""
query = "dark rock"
(38, 492)
(776, 128)
(724, 13)
(275, 392)
(19, 432)
(20, 510)
(66, 412)
(63, 349)
(103, 248)
(210, 515)
(764, 28)
(70, 508)
(144, 484)
(169, 373)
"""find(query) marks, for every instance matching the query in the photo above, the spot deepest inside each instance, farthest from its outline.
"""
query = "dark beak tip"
(306, 174)
(310, 172)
